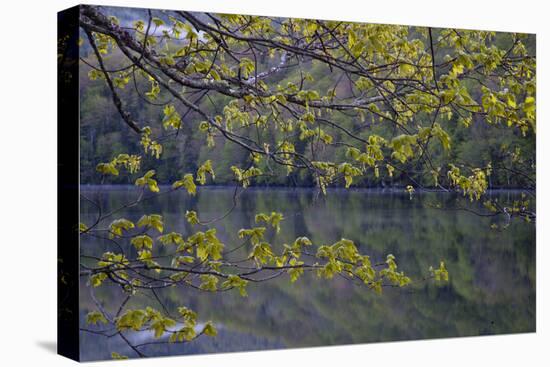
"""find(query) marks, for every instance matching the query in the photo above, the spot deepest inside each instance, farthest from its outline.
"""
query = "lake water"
(492, 273)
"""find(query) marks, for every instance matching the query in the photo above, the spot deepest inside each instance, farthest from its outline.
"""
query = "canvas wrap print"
(233, 183)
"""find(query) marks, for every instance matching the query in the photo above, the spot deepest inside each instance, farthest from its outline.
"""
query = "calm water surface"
(491, 288)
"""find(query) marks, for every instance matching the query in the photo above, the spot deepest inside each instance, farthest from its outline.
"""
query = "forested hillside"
(104, 134)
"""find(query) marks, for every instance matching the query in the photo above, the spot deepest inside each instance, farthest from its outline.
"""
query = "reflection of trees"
(491, 289)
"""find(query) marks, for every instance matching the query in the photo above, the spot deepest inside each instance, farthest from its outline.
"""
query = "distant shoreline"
(393, 189)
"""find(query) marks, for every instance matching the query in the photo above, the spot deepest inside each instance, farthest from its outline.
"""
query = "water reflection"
(491, 290)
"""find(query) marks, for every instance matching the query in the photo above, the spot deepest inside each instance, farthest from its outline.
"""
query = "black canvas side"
(68, 184)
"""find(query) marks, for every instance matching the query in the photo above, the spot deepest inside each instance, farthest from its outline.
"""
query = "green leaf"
(158, 22)
(441, 274)
(107, 169)
(209, 282)
(151, 221)
(262, 253)
(115, 355)
(209, 329)
(187, 182)
(118, 225)
(97, 279)
(442, 135)
(274, 219)
(234, 281)
(142, 241)
(171, 117)
(352, 38)
(95, 317)
(247, 66)
(207, 245)
(215, 75)
(171, 238)
(255, 234)
(205, 168)
(296, 271)
(192, 217)
(82, 227)
(407, 69)
(131, 319)
(376, 286)
(529, 105)
(182, 259)
(149, 181)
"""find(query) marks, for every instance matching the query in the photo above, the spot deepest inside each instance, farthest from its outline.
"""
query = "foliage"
(315, 103)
